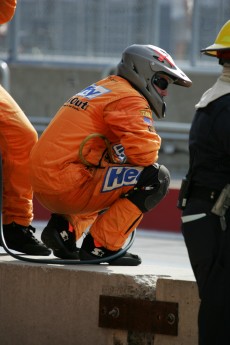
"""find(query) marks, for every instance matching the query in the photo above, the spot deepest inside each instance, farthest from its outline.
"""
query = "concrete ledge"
(47, 304)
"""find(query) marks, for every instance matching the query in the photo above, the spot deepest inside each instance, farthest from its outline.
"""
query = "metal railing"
(40, 123)
(5, 75)
(174, 134)
(173, 130)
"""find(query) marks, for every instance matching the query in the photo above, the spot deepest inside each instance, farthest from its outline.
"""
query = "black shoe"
(89, 251)
(57, 236)
(21, 239)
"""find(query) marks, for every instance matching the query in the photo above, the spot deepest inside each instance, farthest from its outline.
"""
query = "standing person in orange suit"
(17, 137)
(95, 164)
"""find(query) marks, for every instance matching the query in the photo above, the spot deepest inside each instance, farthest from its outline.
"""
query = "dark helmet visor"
(162, 81)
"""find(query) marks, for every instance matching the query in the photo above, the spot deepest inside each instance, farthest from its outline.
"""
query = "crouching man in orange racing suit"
(95, 163)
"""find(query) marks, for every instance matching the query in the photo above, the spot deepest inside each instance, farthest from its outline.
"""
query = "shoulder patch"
(148, 121)
(152, 129)
(146, 113)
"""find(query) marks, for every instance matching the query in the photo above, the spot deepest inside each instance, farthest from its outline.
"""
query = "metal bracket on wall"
(138, 315)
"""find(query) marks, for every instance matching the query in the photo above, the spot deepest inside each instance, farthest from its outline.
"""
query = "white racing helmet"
(146, 65)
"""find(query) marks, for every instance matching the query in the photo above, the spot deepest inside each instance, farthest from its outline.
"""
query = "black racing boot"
(56, 235)
(89, 251)
(21, 239)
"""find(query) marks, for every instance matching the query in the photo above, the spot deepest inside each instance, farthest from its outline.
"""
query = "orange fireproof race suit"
(7, 10)
(91, 153)
(17, 137)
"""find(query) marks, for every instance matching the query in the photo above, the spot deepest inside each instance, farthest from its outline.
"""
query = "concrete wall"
(40, 91)
(47, 304)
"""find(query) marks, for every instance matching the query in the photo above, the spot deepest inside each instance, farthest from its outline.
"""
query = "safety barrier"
(169, 131)
(106, 305)
(164, 217)
(40, 123)
(5, 75)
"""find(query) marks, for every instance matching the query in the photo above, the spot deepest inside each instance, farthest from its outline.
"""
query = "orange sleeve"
(7, 10)
(130, 119)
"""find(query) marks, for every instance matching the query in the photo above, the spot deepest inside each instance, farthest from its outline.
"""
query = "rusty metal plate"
(138, 315)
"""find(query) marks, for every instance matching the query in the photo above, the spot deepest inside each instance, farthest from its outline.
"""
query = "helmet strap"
(223, 55)
(224, 61)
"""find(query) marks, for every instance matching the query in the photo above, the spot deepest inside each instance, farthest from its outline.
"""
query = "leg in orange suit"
(17, 137)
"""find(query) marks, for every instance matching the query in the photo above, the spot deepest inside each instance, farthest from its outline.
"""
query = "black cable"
(56, 261)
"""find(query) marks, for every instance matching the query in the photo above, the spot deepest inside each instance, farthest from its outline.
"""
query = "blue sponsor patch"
(119, 152)
(148, 120)
(93, 91)
(117, 177)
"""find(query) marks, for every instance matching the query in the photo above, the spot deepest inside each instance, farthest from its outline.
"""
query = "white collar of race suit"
(220, 88)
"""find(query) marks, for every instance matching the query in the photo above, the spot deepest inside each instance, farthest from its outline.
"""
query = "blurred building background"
(54, 48)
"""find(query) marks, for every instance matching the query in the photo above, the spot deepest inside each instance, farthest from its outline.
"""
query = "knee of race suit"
(151, 188)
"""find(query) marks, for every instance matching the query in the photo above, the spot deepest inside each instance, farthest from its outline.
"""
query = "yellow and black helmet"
(221, 47)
